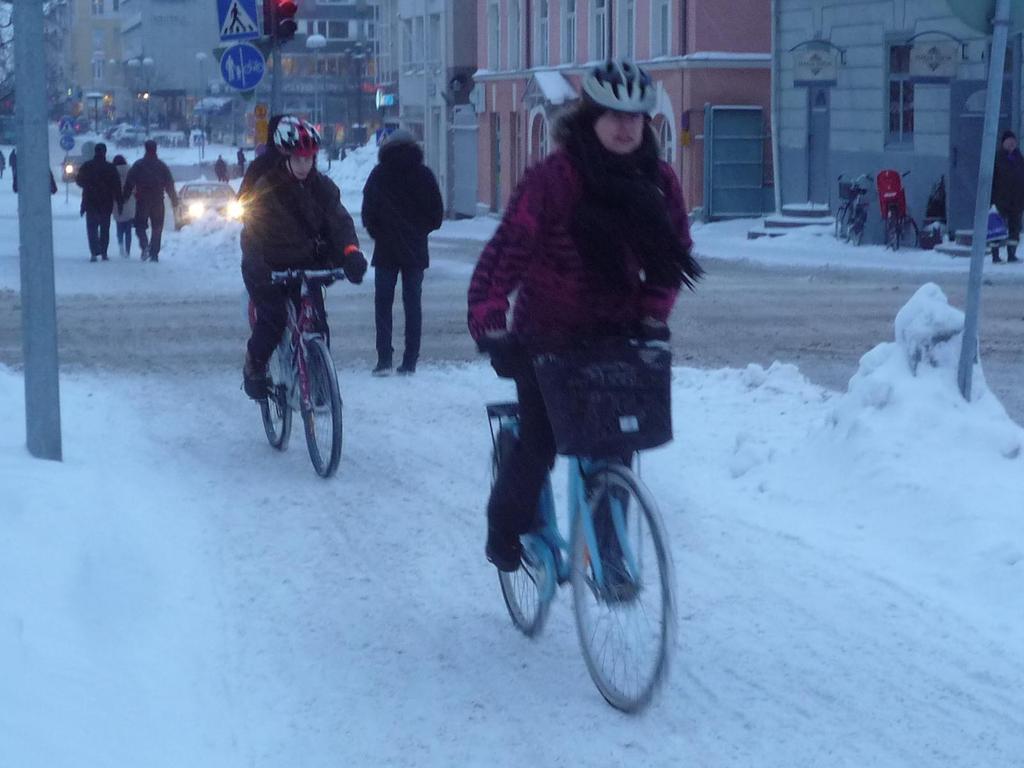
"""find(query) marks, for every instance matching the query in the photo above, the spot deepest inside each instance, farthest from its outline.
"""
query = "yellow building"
(95, 72)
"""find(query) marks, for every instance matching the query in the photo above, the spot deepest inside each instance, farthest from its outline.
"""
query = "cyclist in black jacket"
(294, 219)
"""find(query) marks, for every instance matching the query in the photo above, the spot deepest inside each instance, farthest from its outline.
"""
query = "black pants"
(97, 226)
(384, 281)
(271, 303)
(512, 507)
(149, 212)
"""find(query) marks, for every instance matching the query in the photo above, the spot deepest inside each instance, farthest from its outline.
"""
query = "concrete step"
(806, 211)
(964, 237)
(755, 234)
(788, 222)
(954, 249)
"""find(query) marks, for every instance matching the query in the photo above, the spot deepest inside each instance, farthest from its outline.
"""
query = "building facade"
(865, 85)
(703, 55)
(94, 76)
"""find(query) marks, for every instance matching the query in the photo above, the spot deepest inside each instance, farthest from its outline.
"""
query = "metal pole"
(35, 230)
(275, 78)
(993, 98)
(775, 109)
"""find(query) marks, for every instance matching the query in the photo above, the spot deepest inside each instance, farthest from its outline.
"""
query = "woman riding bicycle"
(597, 242)
(294, 219)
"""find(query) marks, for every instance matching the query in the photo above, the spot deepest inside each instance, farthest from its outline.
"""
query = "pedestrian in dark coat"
(241, 161)
(101, 191)
(220, 168)
(14, 168)
(1008, 192)
(3, 164)
(401, 206)
(150, 178)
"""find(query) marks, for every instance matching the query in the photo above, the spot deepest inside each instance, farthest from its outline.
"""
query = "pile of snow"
(351, 173)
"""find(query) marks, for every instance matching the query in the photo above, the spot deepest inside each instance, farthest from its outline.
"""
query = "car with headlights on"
(199, 199)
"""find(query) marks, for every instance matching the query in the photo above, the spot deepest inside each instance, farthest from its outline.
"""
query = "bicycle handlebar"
(319, 275)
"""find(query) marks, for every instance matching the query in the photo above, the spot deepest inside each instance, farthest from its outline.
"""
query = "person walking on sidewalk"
(220, 168)
(401, 206)
(1008, 192)
(241, 161)
(101, 191)
(125, 218)
(150, 178)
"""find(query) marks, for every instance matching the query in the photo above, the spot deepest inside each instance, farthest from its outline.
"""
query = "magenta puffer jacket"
(533, 251)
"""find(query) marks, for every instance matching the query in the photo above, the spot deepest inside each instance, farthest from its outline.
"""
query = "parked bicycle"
(892, 201)
(852, 215)
(616, 557)
(302, 373)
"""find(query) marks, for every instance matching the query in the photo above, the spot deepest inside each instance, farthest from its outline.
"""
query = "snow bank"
(905, 389)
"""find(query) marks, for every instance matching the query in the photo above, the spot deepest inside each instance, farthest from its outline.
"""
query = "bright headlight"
(69, 169)
(235, 210)
(195, 210)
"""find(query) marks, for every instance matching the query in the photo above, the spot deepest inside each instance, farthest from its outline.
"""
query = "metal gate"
(464, 146)
(733, 162)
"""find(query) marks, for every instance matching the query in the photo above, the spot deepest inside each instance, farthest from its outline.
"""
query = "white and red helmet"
(297, 137)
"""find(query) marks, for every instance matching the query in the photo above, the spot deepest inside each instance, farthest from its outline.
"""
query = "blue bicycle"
(616, 556)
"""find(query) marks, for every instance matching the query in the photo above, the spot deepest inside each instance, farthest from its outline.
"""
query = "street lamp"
(315, 43)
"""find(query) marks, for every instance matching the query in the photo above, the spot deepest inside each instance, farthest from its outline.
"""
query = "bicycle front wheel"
(323, 418)
(276, 413)
(523, 589)
(622, 589)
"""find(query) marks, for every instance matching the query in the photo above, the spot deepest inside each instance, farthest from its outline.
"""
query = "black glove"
(354, 264)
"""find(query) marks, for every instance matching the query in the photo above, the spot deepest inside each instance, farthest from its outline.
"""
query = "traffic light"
(279, 20)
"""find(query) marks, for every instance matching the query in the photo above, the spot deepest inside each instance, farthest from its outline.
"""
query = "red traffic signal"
(279, 19)
(286, 24)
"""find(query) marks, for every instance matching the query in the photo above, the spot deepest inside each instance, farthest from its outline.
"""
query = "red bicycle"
(302, 373)
(892, 202)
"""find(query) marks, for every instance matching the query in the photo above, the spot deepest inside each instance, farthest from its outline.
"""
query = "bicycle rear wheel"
(625, 615)
(323, 420)
(523, 589)
(276, 413)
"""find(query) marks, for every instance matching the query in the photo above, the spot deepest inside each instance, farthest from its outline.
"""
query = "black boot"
(255, 381)
(995, 256)
(1011, 253)
(503, 550)
(383, 367)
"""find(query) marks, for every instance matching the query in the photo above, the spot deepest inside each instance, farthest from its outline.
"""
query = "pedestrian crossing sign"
(237, 19)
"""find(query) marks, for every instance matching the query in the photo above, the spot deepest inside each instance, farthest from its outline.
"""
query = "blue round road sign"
(242, 66)
(67, 142)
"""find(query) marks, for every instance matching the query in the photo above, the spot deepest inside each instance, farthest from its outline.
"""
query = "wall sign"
(934, 62)
(815, 66)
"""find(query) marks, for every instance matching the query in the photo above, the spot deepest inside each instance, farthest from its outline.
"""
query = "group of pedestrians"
(133, 196)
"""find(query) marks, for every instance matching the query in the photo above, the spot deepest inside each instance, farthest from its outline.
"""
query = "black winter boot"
(503, 550)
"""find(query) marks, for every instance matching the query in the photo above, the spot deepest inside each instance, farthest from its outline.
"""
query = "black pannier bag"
(608, 399)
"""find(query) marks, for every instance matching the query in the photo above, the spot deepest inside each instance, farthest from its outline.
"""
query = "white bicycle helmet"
(620, 85)
(296, 136)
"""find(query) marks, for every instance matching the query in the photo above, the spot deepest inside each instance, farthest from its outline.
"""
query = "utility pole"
(35, 231)
(993, 97)
(275, 78)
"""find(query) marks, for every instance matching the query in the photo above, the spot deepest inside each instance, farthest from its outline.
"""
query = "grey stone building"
(865, 85)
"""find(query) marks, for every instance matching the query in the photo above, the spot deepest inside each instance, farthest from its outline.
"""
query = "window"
(493, 36)
(321, 28)
(97, 7)
(97, 71)
(599, 30)
(418, 40)
(661, 30)
(568, 31)
(514, 35)
(435, 37)
(407, 47)
(901, 96)
(337, 30)
(627, 28)
(540, 38)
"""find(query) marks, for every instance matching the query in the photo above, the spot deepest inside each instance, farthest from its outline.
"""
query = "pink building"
(532, 54)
